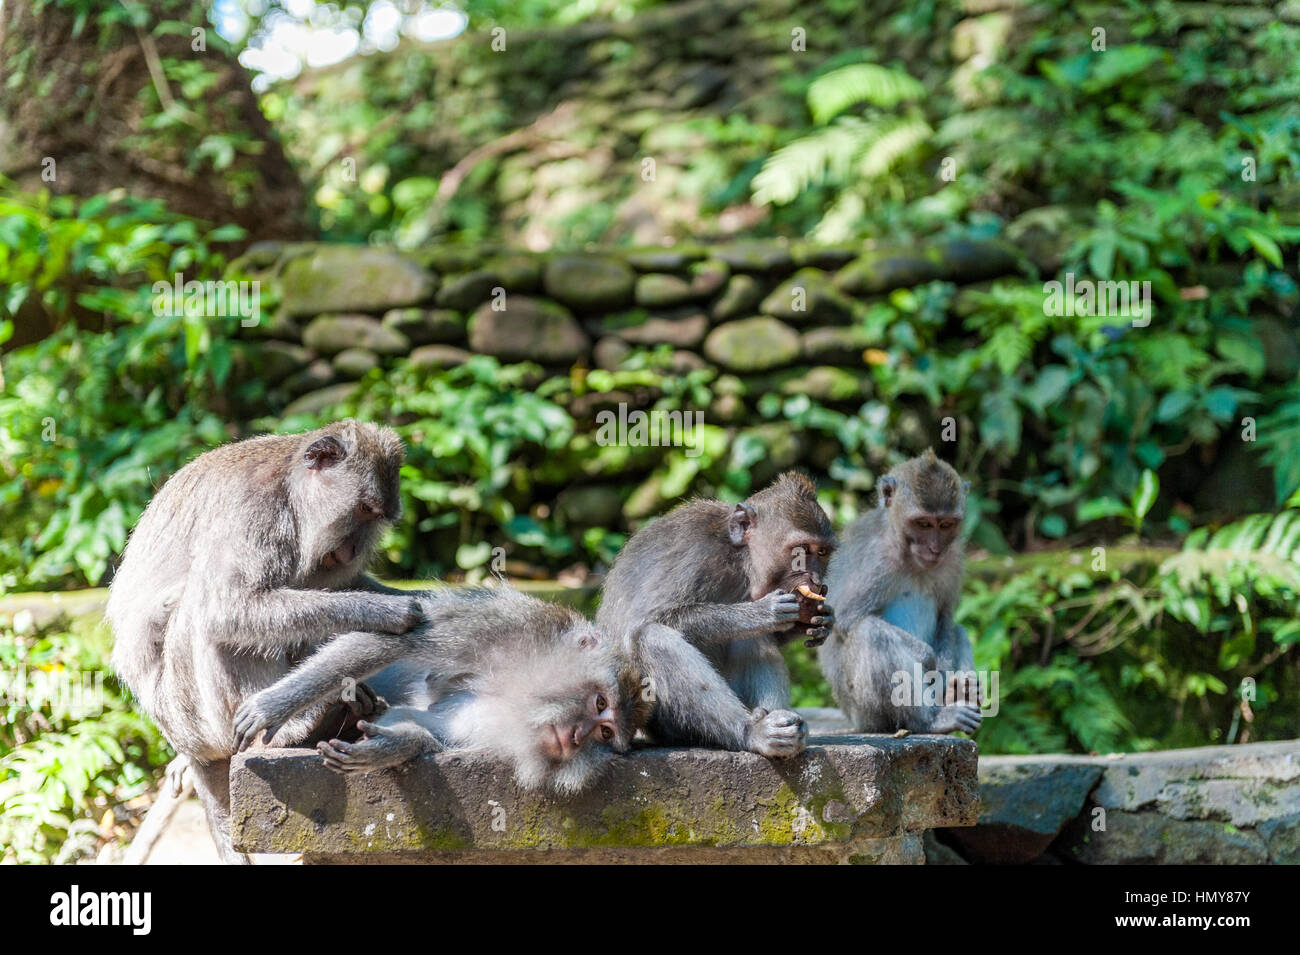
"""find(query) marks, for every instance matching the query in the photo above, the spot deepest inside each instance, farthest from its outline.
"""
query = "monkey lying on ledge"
(896, 581)
(530, 682)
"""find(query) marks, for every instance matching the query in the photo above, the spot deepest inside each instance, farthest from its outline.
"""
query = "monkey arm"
(284, 619)
(371, 585)
(901, 643)
(717, 625)
(954, 645)
(693, 703)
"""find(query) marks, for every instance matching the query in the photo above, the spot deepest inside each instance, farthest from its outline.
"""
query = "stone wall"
(767, 317)
(1213, 804)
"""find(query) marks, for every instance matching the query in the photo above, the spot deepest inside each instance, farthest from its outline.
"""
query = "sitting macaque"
(895, 581)
(247, 560)
(493, 671)
(712, 590)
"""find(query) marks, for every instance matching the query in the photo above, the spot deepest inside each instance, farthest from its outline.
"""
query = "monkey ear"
(965, 487)
(887, 485)
(324, 452)
(739, 523)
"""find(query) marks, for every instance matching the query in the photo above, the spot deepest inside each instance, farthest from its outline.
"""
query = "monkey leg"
(695, 705)
(874, 671)
(757, 672)
(212, 784)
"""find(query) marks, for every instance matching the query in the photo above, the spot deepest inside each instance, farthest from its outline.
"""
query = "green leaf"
(1268, 249)
(469, 556)
(1101, 507)
(1145, 496)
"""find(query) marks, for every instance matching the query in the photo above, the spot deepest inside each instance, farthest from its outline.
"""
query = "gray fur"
(710, 608)
(248, 559)
(490, 670)
(895, 615)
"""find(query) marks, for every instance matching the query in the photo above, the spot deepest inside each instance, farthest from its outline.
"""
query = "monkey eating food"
(493, 671)
(895, 581)
(709, 591)
(249, 558)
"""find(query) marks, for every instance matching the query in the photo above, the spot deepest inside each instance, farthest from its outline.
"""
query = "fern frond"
(993, 124)
(832, 94)
(822, 156)
(894, 140)
(1262, 547)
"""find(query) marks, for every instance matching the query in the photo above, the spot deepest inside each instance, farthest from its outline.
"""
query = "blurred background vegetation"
(1169, 155)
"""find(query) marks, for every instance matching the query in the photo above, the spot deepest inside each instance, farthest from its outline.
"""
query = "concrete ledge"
(861, 799)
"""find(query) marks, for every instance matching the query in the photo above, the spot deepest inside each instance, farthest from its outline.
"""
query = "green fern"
(879, 86)
(822, 156)
(893, 140)
(1279, 438)
(1261, 552)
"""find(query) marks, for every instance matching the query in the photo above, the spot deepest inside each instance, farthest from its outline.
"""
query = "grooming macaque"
(493, 671)
(895, 581)
(709, 588)
(247, 560)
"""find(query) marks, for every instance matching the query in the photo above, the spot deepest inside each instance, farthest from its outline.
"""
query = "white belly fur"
(915, 613)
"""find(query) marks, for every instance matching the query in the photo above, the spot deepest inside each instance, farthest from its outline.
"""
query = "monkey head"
(926, 503)
(566, 710)
(786, 534)
(344, 484)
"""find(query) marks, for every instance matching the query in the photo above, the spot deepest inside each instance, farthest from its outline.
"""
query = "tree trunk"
(92, 103)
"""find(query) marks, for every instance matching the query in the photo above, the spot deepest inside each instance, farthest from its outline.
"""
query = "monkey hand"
(174, 779)
(382, 747)
(366, 703)
(777, 734)
(778, 611)
(957, 717)
(263, 712)
(409, 615)
(819, 627)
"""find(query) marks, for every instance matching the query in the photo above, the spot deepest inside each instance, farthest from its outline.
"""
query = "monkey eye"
(606, 733)
(601, 703)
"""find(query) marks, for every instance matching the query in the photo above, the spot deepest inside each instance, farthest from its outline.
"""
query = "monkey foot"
(777, 735)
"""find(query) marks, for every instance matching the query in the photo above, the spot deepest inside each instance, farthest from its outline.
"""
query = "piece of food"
(809, 604)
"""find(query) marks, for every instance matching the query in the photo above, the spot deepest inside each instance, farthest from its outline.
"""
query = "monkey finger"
(815, 638)
(335, 749)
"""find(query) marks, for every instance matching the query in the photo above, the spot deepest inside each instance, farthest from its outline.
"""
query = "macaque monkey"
(247, 560)
(896, 581)
(495, 671)
(710, 591)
